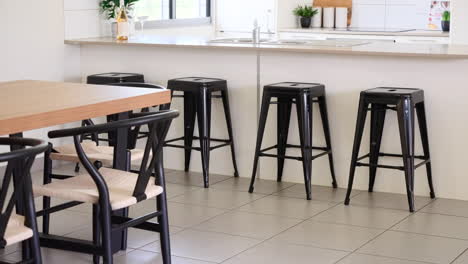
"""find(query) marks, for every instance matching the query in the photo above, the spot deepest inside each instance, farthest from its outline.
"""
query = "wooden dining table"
(30, 104)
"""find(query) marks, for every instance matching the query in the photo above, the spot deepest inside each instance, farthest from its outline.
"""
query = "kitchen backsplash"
(391, 13)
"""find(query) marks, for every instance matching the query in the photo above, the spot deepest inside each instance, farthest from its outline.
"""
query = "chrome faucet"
(256, 32)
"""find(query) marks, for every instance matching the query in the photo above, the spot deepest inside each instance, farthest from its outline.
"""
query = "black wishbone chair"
(20, 226)
(110, 189)
(95, 151)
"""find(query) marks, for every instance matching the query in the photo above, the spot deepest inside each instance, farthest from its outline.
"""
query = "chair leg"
(96, 231)
(106, 233)
(46, 180)
(305, 135)
(405, 112)
(261, 129)
(34, 249)
(284, 117)
(189, 125)
(326, 129)
(204, 128)
(421, 112)
(161, 205)
(227, 113)
(378, 114)
(360, 123)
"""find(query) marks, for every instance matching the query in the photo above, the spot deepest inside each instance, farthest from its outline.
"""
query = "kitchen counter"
(370, 48)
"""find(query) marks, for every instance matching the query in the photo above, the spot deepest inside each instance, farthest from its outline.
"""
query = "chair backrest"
(134, 132)
(18, 166)
(158, 125)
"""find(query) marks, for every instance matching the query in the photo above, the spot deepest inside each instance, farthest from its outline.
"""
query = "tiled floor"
(225, 224)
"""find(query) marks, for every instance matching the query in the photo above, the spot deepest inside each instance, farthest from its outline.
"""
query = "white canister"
(328, 17)
(341, 17)
(317, 18)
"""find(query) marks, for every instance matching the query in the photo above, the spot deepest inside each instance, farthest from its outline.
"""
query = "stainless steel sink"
(321, 43)
(300, 42)
(235, 40)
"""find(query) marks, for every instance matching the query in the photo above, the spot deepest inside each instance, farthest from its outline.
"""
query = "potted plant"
(446, 21)
(110, 8)
(306, 13)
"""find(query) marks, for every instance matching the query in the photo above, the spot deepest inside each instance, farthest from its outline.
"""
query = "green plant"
(446, 16)
(110, 7)
(305, 11)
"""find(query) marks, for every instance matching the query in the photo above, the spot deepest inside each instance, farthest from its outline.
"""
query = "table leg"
(121, 162)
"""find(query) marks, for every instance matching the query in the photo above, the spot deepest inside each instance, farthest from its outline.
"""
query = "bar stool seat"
(303, 95)
(198, 93)
(405, 101)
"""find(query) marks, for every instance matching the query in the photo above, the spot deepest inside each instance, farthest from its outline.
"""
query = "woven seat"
(81, 188)
(105, 154)
(16, 231)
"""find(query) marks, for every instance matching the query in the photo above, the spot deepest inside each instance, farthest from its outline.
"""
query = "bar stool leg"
(360, 123)
(227, 113)
(326, 130)
(284, 117)
(421, 112)
(189, 125)
(204, 127)
(261, 129)
(378, 114)
(405, 112)
(305, 132)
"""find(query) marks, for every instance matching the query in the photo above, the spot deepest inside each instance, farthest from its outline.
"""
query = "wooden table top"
(28, 105)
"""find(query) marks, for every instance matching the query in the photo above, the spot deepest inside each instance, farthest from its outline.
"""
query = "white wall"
(32, 45)
(459, 22)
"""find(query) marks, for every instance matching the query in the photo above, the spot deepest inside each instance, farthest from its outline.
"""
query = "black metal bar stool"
(404, 101)
(303, 95)
(197, 94)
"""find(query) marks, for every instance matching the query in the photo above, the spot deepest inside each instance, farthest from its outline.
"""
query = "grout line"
(388, 229)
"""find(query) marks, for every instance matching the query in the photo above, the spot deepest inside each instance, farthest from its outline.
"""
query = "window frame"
(175, 22)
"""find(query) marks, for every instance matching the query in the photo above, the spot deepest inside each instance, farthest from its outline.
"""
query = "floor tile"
(435, 224)
(319, 193)
(146, 257)
(326, 235)
(65, 222)
(448, 207)
(388, 200)
(362, 216)
(356, 258)
(415, 247)
(206, 246)
(223, 199)
(243, 184)
(186, 215)
(193, 178)
(247, 224)
(178, 189)
(462, 259)
(272, 253)
(285, 206)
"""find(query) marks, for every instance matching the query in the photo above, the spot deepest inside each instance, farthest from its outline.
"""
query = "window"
(178, 12)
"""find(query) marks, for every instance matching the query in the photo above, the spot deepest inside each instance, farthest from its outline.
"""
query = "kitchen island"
(346, 70)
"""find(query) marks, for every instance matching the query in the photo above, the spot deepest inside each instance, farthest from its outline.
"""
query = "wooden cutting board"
(337, 3)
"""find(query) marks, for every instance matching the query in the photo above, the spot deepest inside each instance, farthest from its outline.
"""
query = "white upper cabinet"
(239, 15)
